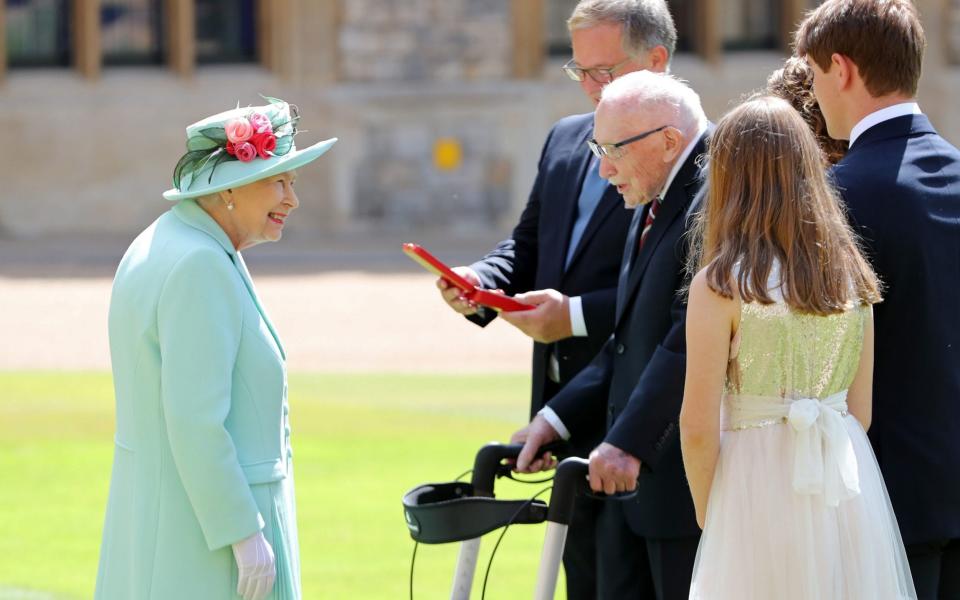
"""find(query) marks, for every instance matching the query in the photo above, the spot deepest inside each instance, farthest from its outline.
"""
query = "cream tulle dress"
(798, 508)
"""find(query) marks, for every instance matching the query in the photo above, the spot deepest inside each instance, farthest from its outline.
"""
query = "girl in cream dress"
(778, 385)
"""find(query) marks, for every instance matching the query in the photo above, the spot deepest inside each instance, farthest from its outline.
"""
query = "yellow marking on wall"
(447, 154)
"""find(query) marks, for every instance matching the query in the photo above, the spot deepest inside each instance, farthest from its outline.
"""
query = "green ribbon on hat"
(207, 147)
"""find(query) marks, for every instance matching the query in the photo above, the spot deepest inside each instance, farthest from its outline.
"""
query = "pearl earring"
(230, 206)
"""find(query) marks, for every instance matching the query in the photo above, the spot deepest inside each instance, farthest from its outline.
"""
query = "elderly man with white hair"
(649, 134)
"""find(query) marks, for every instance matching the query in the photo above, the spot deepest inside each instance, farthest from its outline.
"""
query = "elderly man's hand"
(534, 436)
(453, 295)
(548, 322)
(612, 470)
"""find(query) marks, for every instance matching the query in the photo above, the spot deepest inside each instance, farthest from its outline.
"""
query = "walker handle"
(570, 481)
(489, 459)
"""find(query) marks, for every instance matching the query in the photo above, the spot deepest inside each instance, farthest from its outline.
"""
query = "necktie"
(590, 194)
(648, 224)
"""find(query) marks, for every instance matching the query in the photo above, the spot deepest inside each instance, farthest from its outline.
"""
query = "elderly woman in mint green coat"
(201, 501)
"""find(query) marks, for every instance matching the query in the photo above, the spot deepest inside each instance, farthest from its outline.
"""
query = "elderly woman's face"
(261, 209)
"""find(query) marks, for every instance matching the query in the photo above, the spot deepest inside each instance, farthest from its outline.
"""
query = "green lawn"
(360, 442)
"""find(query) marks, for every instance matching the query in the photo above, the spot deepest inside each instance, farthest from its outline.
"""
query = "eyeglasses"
(598, 74)
(614, 150)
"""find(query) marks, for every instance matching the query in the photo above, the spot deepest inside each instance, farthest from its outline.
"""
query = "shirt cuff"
(551, 417)
(475, 276)
(577, 323)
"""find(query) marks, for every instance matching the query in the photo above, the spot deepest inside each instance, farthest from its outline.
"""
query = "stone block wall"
(424, 48)
(399, 184)
(412, 73)
(424, 40)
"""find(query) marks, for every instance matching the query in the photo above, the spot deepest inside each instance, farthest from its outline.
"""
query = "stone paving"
(385, 317)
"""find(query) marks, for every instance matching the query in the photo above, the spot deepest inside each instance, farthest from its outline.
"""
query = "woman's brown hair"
(794, 83)
(769, 200)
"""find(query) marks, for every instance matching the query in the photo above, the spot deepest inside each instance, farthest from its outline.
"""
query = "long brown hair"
(769, 200)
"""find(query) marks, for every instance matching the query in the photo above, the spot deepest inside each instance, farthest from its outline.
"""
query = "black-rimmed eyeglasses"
(598, 74)
(615, 151)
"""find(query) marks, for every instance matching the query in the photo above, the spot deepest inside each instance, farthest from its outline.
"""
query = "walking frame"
(463, 512)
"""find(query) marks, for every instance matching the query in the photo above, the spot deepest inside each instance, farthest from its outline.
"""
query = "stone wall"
(953, 31)
(424, 40)
(434, 133)
(420, 164)
(401, 183)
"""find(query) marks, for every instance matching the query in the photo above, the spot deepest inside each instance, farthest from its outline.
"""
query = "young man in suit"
(564, 254)
(650, 132)
(901, 183)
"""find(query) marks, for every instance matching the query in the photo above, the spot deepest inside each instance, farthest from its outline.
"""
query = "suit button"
(610, 410)
(621, 349)
(564, 358)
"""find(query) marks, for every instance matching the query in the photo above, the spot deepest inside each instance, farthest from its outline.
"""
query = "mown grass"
(360, 442)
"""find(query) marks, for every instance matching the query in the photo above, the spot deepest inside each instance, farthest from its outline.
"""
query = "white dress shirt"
(884, 114)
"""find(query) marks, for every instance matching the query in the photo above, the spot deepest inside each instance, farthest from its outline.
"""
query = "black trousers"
(580, 551)
(638, 568)
(935, 567)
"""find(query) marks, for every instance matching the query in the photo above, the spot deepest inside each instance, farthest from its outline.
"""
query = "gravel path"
(330, 321)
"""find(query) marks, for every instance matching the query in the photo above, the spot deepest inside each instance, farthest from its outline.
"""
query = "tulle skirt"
(765, 541)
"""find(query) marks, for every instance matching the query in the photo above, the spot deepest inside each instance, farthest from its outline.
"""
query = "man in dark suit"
(650, 132)
(564, 254)
(901, 183)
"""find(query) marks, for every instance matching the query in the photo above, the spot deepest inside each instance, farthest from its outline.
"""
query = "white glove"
(255, 562)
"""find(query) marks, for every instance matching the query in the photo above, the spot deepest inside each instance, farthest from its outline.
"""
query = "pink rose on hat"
(241, 135)
(260, 123)
(238, 130)
(245, 151)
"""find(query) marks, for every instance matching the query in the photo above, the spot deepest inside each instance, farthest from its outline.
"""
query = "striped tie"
(648, 224)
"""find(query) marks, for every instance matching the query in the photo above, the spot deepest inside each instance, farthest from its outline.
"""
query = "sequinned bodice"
(787, 354)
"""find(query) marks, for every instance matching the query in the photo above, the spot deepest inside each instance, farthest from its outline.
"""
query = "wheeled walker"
(457, 511)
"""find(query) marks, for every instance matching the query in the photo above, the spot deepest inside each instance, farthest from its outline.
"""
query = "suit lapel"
(609, 202)
(675, 205)
(579, 162)
(625, 264)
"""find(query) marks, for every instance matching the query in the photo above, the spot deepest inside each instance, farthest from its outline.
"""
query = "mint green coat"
(202, 456)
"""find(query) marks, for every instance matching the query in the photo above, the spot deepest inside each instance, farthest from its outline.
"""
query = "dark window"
(684, 18)
(750, 24)
(38, 33)
(225, 31)
(132, 32)
(556, 13)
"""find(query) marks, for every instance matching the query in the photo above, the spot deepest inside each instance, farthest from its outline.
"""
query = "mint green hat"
(240, 146)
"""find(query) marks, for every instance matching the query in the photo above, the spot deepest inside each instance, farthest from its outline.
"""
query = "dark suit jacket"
(533, 257)
(638, 376)
(901, 183)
